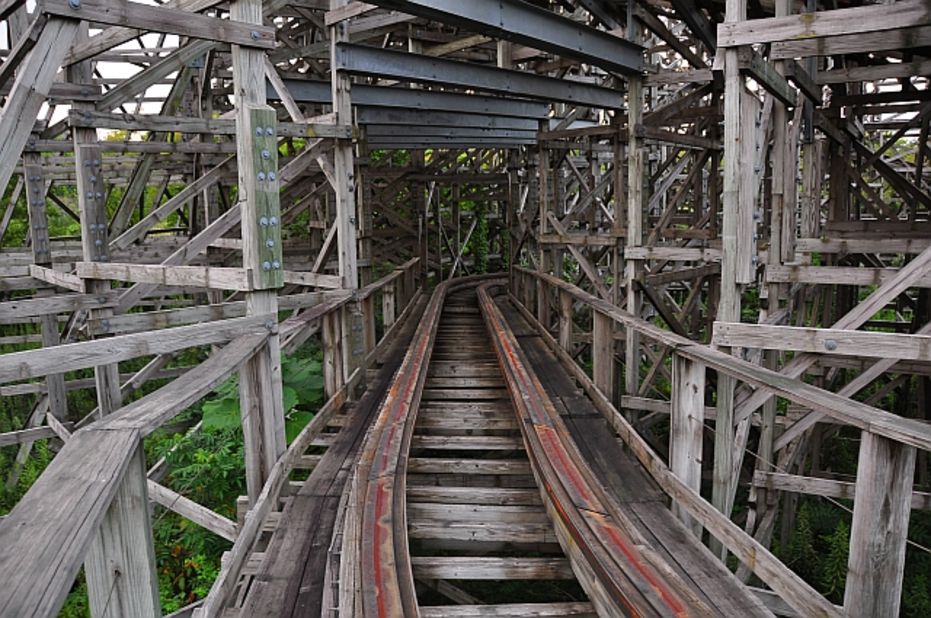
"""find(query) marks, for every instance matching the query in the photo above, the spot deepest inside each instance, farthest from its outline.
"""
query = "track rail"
(615, 569)
(618, 573)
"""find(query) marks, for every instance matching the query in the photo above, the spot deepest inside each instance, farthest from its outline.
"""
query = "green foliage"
(801, 554)
(834, 569)
(916, 600)
(302, 388)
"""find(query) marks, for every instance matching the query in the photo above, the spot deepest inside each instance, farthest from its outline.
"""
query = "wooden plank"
(14, 311)
(190, 510)
(835, 275)
(869, 42)
(162, 19)
(765, 74)
(823, 340)
(115, 35)
(686, 434)
(30, 89)
(816, 486)
(513, 610)
(492, 567)
(814, 26)
(213, 277)
(878, 535)
(603, 372)
(47, 533)
(57, 278)
(70, 357)
(25, 436)
(152, 411)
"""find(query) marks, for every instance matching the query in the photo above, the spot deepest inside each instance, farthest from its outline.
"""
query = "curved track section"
(620, 574)
(615, 569)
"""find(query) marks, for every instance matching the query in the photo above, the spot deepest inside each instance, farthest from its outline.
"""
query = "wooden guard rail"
(887, 452)
(49, 533)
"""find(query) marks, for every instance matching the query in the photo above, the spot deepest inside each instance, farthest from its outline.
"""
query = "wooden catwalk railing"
(50, 532)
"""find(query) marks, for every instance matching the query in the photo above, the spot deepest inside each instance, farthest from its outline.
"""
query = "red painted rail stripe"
(532, 404)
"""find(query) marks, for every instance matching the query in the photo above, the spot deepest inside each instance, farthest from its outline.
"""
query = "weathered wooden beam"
(162, 19)
(820, 24)
(48, 532)
(881, 510)
(116, 35)
(123, 550)
(70, 357)
(686, 434)
(603, 370)
(829, 488)
(216, 277)
(30, 89)
(823, 340)
(869, 42)
(764, 73)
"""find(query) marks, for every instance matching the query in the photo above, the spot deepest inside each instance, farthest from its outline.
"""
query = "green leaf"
(221, 413)
(290, 398)
(295, 422)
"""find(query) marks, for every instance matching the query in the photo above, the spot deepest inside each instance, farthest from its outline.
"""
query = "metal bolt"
(98, 242)
(830, 345)
(276, 264)
(254, 34)
(269, 131)
(272, 176)
(261, 176)
(266, 154)
(258, 131)
(90, 194)
(352, 220)
(93, 179)
(75, 4)
(266, 265)
(274, 221)
(269, 243)
(99, 195)
(263, 221)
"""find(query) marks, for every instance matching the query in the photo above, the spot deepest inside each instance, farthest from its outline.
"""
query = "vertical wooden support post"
(332, 353)
(881, 508)
(545, 258)
(260, 398)
(345, 190)
(729, 302)
(635, 166)
(565, 321)
(34, 180)
(687, 425)
(120, 564)
(388, 310)
(368, 323)
(603, 353)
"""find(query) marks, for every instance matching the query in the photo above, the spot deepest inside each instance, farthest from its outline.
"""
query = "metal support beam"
(359, 60)
(313, 91)
(521, 22)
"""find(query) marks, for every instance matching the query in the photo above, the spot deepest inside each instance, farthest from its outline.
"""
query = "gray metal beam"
(439, 142)
(524, 23)
(382, 63)
(400, 131)
(389, 116)
(363, 96)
